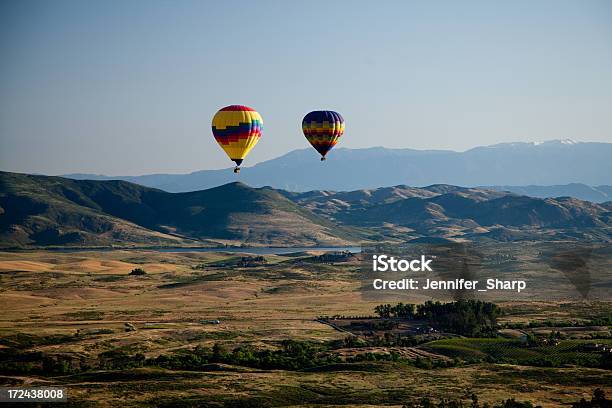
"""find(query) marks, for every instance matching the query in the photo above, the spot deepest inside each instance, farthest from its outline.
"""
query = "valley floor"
(79, 309)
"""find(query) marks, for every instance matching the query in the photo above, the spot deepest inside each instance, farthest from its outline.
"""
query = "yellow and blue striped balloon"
(237, 129)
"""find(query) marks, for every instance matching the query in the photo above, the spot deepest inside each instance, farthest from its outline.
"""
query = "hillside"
(329, 203)
(556, 162)
(454, 212)
(445, 211)
(54, 211)
(41, 210)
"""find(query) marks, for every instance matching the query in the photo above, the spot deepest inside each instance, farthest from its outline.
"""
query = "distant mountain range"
(546, 168)
(598, 194)
(43, 210)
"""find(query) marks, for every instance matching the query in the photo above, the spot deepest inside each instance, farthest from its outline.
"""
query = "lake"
(254, 251)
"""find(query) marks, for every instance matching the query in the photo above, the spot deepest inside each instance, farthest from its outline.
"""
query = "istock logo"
(384, 263)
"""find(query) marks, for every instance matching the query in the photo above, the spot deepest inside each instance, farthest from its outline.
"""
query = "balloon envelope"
(323, 129)
(237, 129)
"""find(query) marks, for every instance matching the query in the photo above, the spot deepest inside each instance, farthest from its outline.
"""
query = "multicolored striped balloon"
(323, 129)
(237, 129)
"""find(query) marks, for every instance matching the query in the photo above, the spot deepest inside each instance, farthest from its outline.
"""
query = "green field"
(567, 352)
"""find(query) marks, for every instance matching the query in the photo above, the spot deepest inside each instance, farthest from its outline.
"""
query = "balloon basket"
(236, 169)
(323, 159)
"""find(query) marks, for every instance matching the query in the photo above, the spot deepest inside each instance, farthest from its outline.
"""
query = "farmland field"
(81, 321)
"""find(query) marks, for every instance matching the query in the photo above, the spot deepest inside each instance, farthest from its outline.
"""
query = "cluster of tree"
(242, 262)
(138, 272)
(384, 325)
(472, 318)
(251, 261)
(120, 360)
(341, 256)
(601, 321)
(23, 362)
(293, 355)
(403, 311)
(27, 362)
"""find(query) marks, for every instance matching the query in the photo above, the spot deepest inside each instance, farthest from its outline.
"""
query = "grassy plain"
(78, 304)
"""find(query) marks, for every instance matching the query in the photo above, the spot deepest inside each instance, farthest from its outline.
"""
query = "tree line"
(473, 318)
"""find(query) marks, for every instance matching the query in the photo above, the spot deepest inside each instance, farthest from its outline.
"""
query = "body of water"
(254, 251)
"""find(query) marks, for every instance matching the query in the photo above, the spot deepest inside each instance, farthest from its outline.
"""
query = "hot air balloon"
(237, 129)
(323, 129)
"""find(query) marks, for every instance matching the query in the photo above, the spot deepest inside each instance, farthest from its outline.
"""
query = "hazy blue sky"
(129, 87)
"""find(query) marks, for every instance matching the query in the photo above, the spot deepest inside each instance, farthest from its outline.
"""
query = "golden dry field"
(76, 306)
